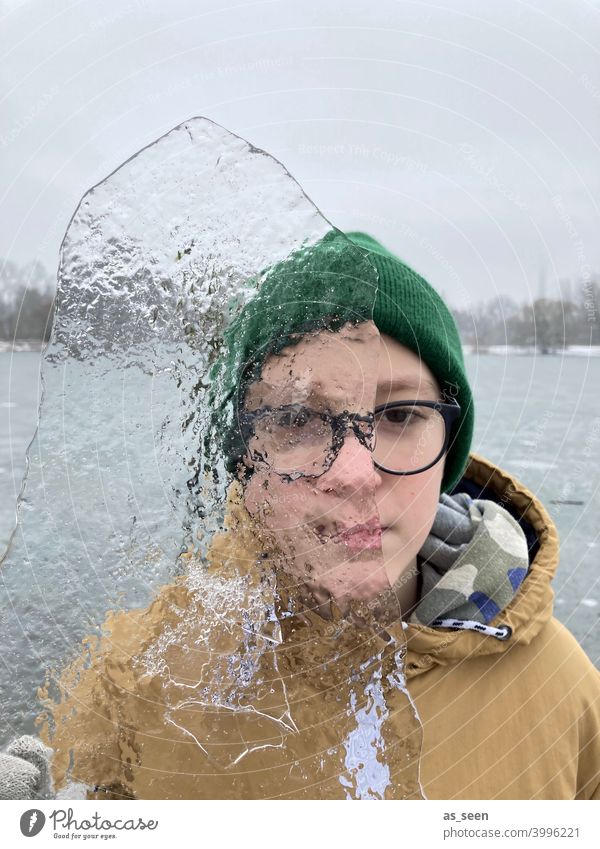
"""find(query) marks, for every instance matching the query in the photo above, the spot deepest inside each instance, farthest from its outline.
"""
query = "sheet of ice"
(127, 483)
(154, 259)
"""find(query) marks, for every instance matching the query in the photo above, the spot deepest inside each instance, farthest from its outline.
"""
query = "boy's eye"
(400, 415)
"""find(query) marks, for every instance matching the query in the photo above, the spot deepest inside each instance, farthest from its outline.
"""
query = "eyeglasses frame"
(450, 413)
(340, 423)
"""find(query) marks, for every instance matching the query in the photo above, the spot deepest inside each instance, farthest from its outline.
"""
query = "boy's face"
(345, 529)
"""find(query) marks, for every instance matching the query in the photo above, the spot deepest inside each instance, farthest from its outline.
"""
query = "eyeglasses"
(405, 437)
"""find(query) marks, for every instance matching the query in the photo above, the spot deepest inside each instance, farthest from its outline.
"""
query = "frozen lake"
(538, 417)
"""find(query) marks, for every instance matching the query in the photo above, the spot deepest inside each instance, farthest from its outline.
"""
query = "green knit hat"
(409, 310)
(340, 279)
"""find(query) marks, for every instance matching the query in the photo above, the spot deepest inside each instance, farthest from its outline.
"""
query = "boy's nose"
(352, 469)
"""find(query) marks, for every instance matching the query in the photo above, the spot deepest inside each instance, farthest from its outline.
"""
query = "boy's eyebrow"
(396, 383)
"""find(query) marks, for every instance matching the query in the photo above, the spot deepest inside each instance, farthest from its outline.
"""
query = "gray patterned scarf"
(472, 564)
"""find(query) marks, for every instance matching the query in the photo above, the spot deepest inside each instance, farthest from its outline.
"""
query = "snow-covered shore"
(531, 350)
(20, 345)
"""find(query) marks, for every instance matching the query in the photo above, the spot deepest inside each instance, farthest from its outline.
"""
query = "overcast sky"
(465, 135)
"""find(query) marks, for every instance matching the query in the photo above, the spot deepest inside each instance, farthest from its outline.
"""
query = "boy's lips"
(361, 536)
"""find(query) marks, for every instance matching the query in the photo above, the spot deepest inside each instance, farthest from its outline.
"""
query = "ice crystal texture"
(164, 268)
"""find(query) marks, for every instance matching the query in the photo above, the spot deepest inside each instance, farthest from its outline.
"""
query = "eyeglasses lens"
(293, 441)
(408, 438)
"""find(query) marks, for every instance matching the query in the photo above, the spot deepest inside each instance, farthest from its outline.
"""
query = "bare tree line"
(547, 324)
(27, 298)
(26, 302)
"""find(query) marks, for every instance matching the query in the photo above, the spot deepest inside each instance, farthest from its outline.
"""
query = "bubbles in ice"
(156, 260)
(207, 646)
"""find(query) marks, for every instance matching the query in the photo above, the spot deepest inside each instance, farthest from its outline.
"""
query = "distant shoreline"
(24, 345)
(531, 350)
(20, 345)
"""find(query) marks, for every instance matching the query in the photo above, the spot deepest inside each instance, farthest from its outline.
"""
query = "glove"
(25, 770)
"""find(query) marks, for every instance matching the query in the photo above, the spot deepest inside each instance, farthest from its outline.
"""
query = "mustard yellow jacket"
(508, 720)
(483, 718)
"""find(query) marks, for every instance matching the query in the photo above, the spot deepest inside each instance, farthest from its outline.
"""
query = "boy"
(377, 622)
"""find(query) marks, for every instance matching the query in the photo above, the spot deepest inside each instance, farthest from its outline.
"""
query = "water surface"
(538, 417)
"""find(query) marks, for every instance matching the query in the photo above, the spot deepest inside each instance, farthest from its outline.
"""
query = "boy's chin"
(359, 580)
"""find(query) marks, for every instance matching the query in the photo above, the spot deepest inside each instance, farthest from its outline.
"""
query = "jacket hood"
(531, 606)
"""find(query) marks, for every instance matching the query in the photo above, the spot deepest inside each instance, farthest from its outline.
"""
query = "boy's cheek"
(272, 501)
(412, 502)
